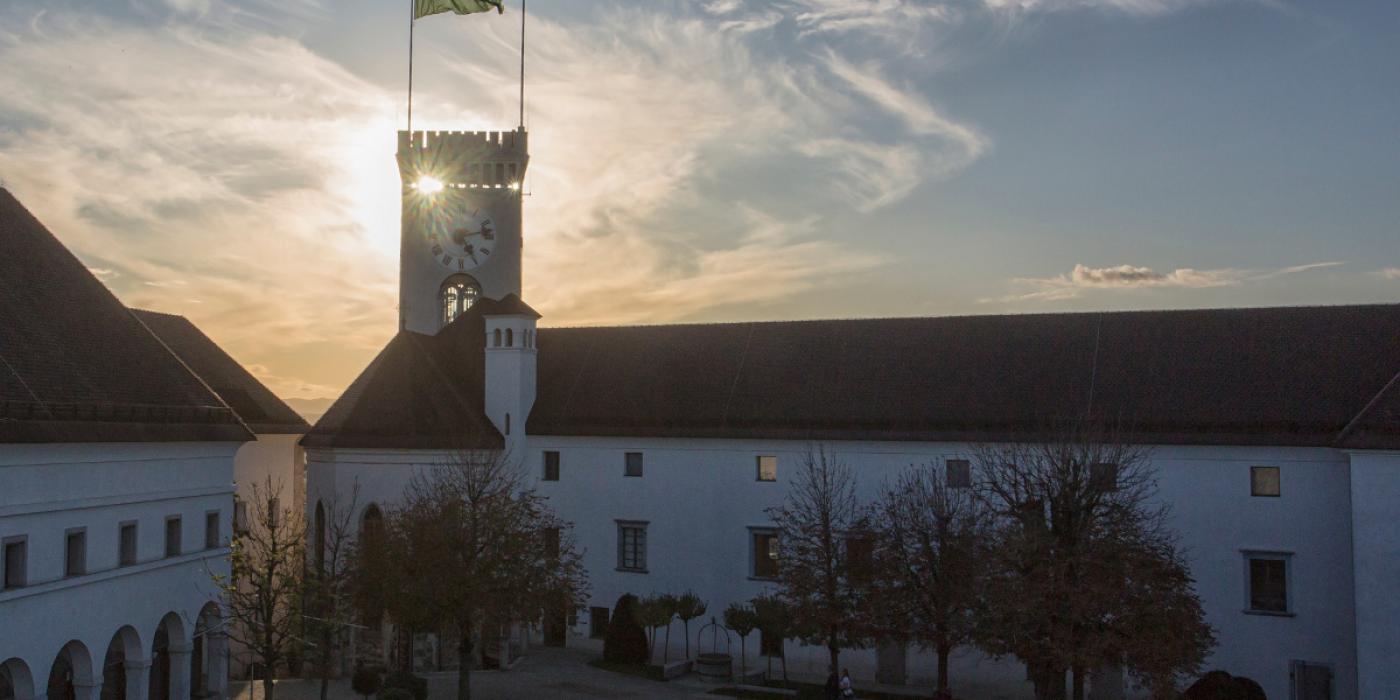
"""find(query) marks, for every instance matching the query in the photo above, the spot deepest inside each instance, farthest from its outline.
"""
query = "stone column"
(179, 671)
(90, 691)
(216, 649)
(138, 679)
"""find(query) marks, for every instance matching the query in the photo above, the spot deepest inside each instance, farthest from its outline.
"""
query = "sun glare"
(429, 185)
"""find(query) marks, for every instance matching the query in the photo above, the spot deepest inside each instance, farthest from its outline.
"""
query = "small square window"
(15, 561)
(1103, 476)
(764, 554)
(75, 552)
(212, 536)
(1267, 582)
(631, 546)
(633, 465)
(1264, 481)
(172, 536)
(768, 468)
(126, 544)
(551, 465)
(959, 474)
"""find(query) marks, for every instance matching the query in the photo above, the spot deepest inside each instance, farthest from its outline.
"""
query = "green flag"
(423, 8)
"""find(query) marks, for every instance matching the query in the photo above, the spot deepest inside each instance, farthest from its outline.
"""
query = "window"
(597, 623)
(764, 553)
(768, 468)
(458, 294)
(633, 464)
(240, 517)
(274, 512)
(496, 338)
(16, 555)
(510, 337)
(126, 544)
(551, 465)
(507, 424)
(631, 545)
(1264, 481)
(1267, 579)
(211, 530)
(860, 557)
(959, 474)
(75, 552)
(1103, 476)
(551, 543)
(172, 536)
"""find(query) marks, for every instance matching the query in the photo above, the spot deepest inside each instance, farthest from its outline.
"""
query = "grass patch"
(651, 673)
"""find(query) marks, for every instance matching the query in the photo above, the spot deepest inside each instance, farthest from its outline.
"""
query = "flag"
(423, 8)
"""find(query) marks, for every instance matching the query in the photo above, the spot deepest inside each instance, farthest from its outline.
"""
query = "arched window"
(371, 525)
(459, 293)
(496, 340)
(320, 538)
(507, 424)
(510, 338)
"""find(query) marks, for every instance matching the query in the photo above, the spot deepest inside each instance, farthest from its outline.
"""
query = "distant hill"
(310, 409)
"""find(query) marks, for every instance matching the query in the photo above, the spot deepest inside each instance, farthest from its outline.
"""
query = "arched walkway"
(170, 660)
(124, 667)
(70, 676)
(16, 683)
(209, 660)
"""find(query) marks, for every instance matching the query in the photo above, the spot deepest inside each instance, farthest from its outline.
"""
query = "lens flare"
(429, 185)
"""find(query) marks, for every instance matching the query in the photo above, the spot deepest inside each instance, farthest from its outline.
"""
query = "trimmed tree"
(742, 619)
(625, 641)
(653, 613)
(688, 607)
(774, 620)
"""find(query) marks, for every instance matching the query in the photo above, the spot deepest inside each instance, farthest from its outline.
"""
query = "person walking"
(847, 690)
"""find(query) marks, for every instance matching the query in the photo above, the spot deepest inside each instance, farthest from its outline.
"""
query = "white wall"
(47, 489)
(1375, 503)
(701, 496)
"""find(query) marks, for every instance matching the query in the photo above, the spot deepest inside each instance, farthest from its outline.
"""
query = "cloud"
(1390, 273)
(1083, 278)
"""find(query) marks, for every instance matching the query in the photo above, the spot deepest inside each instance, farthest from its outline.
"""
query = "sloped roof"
(76, 365)
(420, 392)
(259, 408)
(1278, 376)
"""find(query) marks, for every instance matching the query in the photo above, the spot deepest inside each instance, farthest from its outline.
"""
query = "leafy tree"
(742, 619)
(774, 620)
(671, 605)
(823, 588)
(688, 607)
(1083, 569)
(330, 611)
(928, 563)
(654, 612)
(625, 641)
(264, 588)
(468, 540)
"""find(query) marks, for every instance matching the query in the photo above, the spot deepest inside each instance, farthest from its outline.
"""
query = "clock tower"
(461, 222)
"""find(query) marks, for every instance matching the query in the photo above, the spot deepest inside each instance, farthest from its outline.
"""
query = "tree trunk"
(1078, 683)
(943, 651)
(268, 688)
(784, 657)
(464, 666)
(835, 652)
(687, 638)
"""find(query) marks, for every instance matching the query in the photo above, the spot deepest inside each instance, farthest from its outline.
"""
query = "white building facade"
(664, 437)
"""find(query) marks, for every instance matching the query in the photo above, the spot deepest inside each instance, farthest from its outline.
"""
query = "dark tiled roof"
(419, 392)
(259, 408)
(76, 365)
(509, 305)
(1279, 376)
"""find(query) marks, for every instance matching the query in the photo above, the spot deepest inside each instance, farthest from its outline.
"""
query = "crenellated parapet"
(490, 159)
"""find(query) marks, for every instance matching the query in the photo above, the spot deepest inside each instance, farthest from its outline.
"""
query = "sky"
(715, 160)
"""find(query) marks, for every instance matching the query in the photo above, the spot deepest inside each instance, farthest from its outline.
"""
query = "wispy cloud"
(1083, 278)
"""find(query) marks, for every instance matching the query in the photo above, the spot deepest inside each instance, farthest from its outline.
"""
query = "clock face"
(463, 237)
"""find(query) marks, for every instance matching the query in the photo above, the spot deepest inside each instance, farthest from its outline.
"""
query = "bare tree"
(469, 545)
(263, 591)
(928, 564)
(1080, 550)
(330, 612)
(815, 577)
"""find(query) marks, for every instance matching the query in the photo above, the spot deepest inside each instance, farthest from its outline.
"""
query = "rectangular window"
(16, 559)
(633, 465)
(172, 536)
(551, 543)
(1103, 476)
(240, 516)
(597, 623)
(631, 545)
(274, 512)
(860, 557)
(959, 474)
(1263, 481)
(75, 552)
(768, 468)
(764, 554)
(211, 530)
(551, 465)
(1267, 581)
(126, 544)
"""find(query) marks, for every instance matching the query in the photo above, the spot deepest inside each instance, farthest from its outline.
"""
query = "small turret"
(510, 366)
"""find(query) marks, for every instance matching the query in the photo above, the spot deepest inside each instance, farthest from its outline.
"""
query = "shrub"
(416, 686)
(1219, 685)
(395, 694)
(365, 682)
(625, 642)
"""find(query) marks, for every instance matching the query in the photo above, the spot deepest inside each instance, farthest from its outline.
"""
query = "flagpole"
(522, 64)
(411, 12)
